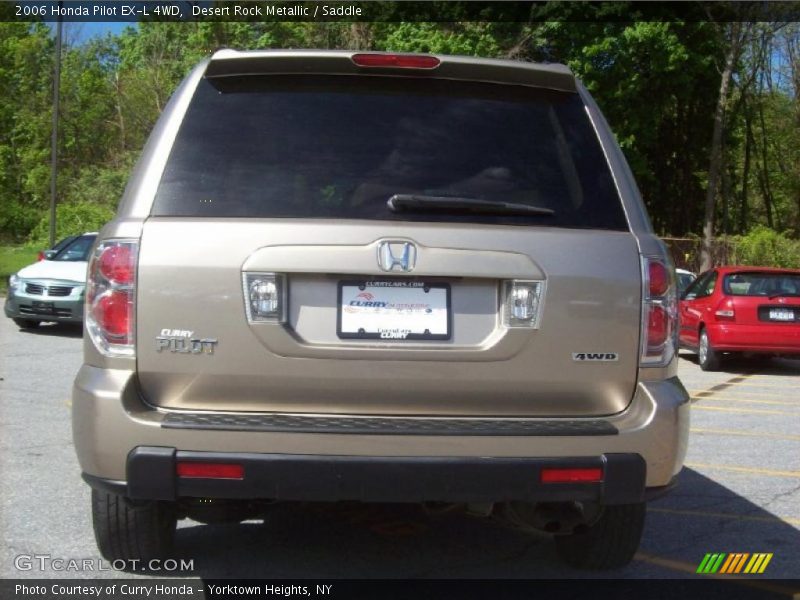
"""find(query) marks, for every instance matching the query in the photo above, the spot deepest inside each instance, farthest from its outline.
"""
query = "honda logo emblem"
(397, 256)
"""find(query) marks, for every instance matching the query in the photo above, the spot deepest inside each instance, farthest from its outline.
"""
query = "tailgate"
(190, 290)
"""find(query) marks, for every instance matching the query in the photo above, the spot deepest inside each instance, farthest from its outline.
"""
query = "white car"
(53, 289)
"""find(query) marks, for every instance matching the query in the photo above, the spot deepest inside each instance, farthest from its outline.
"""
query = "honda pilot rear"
(380, 278)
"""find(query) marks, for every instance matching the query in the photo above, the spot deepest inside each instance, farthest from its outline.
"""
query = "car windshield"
(77, 250)
(762, 284)
(341, 147)
(63, 243)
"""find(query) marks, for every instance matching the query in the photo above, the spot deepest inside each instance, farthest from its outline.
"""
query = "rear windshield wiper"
(415, 202)
(779, 294)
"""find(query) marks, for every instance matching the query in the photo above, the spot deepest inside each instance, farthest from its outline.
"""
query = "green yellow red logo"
(734, 563)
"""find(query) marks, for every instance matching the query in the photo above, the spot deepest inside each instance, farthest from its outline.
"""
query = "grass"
(12, 259)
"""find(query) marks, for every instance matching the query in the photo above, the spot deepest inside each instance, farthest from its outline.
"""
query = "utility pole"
(54, 136)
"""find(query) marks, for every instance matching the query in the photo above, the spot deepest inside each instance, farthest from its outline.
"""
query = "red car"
(741, 309)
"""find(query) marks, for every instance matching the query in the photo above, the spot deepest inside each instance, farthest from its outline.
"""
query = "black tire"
(124, 530)
(26, 323)
(708, 358)
(609, 543)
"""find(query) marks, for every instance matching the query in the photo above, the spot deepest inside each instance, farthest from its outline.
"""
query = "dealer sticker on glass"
(394, 310)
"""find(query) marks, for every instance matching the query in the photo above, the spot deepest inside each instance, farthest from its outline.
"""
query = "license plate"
(781, 314)
(43, 308)
(394, 310)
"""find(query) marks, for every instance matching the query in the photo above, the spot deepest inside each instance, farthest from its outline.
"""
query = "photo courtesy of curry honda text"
(380, 278)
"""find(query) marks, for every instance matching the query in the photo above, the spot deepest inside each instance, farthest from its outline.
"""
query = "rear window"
(762, 284)
(340, 147)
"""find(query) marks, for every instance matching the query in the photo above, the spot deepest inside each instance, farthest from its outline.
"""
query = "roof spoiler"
(232, 63)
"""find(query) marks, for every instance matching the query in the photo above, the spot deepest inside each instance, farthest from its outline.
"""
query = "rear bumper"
(151, 475)
(768, 338)
(111, 425)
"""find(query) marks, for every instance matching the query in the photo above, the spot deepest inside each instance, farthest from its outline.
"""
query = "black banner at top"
(84, 11)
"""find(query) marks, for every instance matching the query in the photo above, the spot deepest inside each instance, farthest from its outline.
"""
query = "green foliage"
(102, 186)
(468, 39)
(12, 259)
(781, 148)
(16, 219)
(74, 218)
(765, 247)
(25, 81)
(657, 83)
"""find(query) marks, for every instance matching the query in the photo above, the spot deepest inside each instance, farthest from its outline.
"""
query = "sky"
(95, 29)
(80, 32)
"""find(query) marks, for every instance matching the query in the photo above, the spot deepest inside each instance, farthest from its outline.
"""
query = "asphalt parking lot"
(739, 492)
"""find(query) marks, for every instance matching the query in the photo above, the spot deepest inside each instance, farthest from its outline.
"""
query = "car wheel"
(708, 358)
(609, 543)
(127, 530)
(26, 323)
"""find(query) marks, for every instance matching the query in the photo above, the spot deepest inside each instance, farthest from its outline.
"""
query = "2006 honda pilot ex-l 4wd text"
(379, 277)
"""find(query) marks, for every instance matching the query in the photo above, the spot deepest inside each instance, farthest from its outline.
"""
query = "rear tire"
(708, 358)
(610, 543)
(26, 323)
(124, 530)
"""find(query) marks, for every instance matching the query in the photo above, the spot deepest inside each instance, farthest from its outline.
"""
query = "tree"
(735, 41)
(708, 120)
(25, 75)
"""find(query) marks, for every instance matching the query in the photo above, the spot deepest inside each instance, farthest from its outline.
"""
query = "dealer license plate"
(781, 314)
(394, 310)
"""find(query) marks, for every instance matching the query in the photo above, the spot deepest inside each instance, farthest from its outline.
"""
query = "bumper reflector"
(572, 475)
(198, 470)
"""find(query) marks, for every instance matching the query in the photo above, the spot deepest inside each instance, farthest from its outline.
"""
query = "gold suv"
(380, 277)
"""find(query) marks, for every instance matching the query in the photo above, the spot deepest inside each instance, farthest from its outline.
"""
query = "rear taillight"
(725, 311)
(111, 297)
(659, 312)
(396, 61)
(117, 264)
(40, 256)
(658, 326)
(659, 278)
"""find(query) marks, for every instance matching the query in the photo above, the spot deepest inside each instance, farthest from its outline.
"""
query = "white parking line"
(754, 411)
(734, 390)
(756, 434)
(724, 398)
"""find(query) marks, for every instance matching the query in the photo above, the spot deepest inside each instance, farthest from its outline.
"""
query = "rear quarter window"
(339, 147)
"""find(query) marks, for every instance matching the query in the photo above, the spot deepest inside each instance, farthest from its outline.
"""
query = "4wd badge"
(595, 356)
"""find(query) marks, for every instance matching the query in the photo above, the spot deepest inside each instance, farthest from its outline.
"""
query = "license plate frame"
(43, 308)
(404, 291)
(787, 315)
